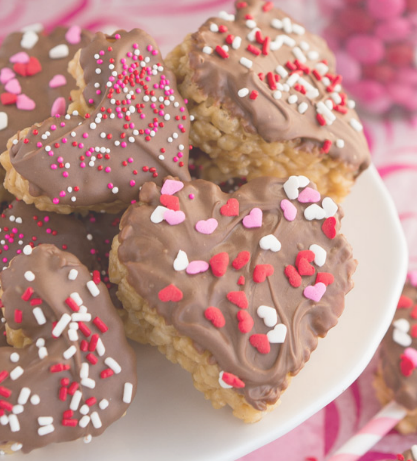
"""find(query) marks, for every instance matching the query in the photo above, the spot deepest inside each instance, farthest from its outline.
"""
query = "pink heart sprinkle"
(253, 219)
(196, 267)
(290, 211)
(25, 103)
(57, 80)
(207, 227)
(6, 74)
(171, 187)
(412, 275)
(411, 353)
(316, 292)
(73, 35)
(13, 86)
(309, 195)
(59, 107)
(21, 57)
(174, 217)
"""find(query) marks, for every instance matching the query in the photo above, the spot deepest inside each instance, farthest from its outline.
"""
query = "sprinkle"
(100, 325)
(61, 325)
(18, 409)
(59, 51)
(39, 316)
(35, 399)
(92, 287)
(72, 350)
(277, 94)
(46, 429)
(237, 41)
(293, 99)
(207, 50)
(243, 92)
(75, 401)
(84, 421)
(14, 423)
(246, 62)
(356, 125)
(104, 403)
(27, 250)
(302, 108)
(95, 419)
(221, 52)
(16, 373)
(23, 396)
(77, 298)
(45, 420)
(127, 392)
(14, 357)
(113, 365)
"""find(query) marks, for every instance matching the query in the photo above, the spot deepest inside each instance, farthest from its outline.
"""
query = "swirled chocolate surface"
(207, 261)
(71, 381)
(278, 79)
(34, 78)
(137, 129)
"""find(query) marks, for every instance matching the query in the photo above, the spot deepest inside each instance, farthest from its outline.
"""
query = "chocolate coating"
(51, 268)
(392, 352)
(37, 86)
(127, 139)
(22, 224)
(273, 119)
(148, 251)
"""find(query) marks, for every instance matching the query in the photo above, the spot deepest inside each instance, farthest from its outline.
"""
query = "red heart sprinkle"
(324, 277)
(170, 201)
(261, 343)
(241, 280)
(406, 366)
(8, 98)
(413, 331)
(413, 314)
(293, 276)
(241, 260)
(33, 66)
(219, 263)
(238, 298)
(245, 321)
(20, 69)
(232, 380)
(261, 272)
(404, 302)
(304, 267)
(215, 315)
(170, 293)
(231, 208)
(329, 227)
(306, 254)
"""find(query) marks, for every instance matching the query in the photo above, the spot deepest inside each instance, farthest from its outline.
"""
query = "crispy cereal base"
(143, 324)
(238, 153)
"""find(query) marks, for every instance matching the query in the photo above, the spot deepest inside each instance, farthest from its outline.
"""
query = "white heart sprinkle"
(402, 324)
(329, 207)
(303, 181)
(291, 187)
(278, 334)
(158, 214)
(401, 338)
(59, 51)
(29, 39)
(268, 315)
(314, 212)
(320, 254)
(181, 261)
(270, 242)
(3, 120)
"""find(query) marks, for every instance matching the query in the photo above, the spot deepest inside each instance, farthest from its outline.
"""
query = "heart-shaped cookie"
(128, 125)
(248, 282)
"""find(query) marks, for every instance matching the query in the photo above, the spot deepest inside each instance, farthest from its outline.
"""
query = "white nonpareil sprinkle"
(103, 404)
(29, 276)
(351, 104)
(40, 342)
(14, 423)
(237, 41)
(73, 273)
(88, 382)
(299, 54)
(72, 335)
(276, 23)
(243, 92)
(340, 143)
(355, 124)
(72, 350)
(101, 350)
(17, 409)
(111, 363)
(4, 120)
(250, 23)
(313, 55)
(287, 25)
(81, 317)
(214, 27)
(4, 420)
(42, 352)
(302, 108)
(281, 71)
(226, 16)
(75, 401)
(85, 370)
(46, 429)
(27, 250)
(85, 409)
(326, 112)
(16, 446)
(297, 29)
(88, 438)
(16, 373)
(95, 419)
(293, 99)
(24, 396)
(84, 421)
(61, 325)
(92, 288)
(14, 357)
(127, 392)
(59, 51)
(277, 94)
(207, 50)
(35, 399)
(45, 420)
(246, 62)
(77, 298)
(292, 80)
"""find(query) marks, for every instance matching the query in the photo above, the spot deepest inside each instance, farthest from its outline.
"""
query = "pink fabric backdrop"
(394, 150)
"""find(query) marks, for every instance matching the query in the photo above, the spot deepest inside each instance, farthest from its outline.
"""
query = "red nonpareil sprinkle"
(293, 276)
(241, 260)
(57, 368)
(254, 94)
(317, 75)
(36, 301)
(221, 52)
(267, 7)
(4, 392)
(259, 38)
(84, 345)
(261, 76)
(6, 405)
(329, 227)
(91, 358)
(341, 109)
(261, 343)
(91, 401)
(241, 280)
(241, 5)
(170, 293)
(261, 272)
(219, 263)
(100, 324)
(290, 65)
(93, 342)
(238, 298)
(400, 457)
(245, 321)
(414, 312)
(3, 375)
(265, 46)
(28, 293)
(414, 331)
(232, 380)
(106, 373)
(222, 29)
(229, 39)
(404, 302)
(321, 119)
(96, 277)
(65, 382)
(271, 81)
(18, 316)
(406, 366)
(254, 50)
(72, 304)
(326, 146)
(84, 329)
(74, 386)
(215, 316)
(63, 392)
(70, 422)
(67, 414)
